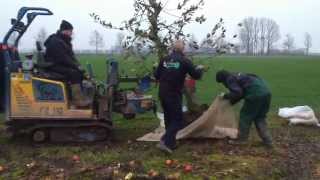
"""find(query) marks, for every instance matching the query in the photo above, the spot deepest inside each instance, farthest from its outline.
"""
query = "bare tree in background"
(155, 27)
(41, 36)
(288, 43)
(258, 35)
(246, 35)
(263, 30)
(119, 43)
(96, 40)
(272, 34)
(307, 42)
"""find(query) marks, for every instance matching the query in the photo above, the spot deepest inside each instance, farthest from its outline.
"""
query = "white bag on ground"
(219, 121)
(299, 115)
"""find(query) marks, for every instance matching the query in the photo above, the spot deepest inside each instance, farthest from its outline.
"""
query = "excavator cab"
(37, 102)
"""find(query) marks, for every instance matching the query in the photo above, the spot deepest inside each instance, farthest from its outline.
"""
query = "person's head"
(66, 28)
(179, 46)
(222, 76)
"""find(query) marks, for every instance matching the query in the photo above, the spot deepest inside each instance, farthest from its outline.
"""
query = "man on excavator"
(60, 54)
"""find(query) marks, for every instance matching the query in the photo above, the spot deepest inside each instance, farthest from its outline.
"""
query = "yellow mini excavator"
(37, 102)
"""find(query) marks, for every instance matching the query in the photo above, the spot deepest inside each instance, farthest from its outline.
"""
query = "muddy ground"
(295, 156)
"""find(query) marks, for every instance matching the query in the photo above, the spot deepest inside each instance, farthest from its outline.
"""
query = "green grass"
(293, 81)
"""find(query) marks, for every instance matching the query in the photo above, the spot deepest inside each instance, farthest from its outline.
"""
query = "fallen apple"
(132, 163)
(153, 173)
(187, 168)
(150, 172)
(129, 176)
(31, 165)
(175, 176)
(169, 162)
(76, 158)
(170, 177)
(116, 172)
(1, 169)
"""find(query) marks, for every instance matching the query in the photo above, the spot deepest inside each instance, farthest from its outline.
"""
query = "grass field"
(293, 81)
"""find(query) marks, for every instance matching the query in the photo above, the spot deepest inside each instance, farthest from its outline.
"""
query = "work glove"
(81, 69)
(221, 95)
(155, 65)
(225, 97)
(200, 67)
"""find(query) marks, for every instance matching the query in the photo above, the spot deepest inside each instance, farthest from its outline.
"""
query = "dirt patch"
(299, 152)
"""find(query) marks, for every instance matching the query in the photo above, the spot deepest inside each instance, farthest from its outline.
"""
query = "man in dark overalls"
(257, 99)
(171, 73)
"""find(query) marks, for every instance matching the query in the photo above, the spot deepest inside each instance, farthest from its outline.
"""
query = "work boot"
(78, 98)
(263, 132)
(163, 147)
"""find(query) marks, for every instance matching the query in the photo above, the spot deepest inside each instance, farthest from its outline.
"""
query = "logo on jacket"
(171, 65)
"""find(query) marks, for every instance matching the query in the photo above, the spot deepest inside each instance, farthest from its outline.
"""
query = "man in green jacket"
(257, 99)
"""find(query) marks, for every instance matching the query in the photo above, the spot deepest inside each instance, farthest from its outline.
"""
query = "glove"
(155, 65)
(81, 70)
(200, 67)
(221, 95)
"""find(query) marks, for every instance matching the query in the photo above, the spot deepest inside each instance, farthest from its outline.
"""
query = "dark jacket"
(171, 73)
(243, 85)
(59, 51)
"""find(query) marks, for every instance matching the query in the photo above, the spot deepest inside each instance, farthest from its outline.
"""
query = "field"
(293, 81)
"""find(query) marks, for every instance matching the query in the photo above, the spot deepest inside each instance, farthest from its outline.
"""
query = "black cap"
(65, 25)
(222, 75)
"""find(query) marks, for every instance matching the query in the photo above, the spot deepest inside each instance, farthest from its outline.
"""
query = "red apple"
(187, 168)
(76, 158)
(153, 173)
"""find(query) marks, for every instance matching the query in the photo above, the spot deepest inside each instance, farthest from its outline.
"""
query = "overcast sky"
(294, 16)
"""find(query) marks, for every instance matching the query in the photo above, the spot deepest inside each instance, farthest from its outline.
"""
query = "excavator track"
(79, 134)
(69, 132)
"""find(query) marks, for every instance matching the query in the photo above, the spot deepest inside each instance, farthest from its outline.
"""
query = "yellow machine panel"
(33, 97)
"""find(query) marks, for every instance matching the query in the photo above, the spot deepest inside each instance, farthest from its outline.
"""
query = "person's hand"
(155, 65)
(81, 69)
(221, 95)
(200, 67)
(86, 76)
